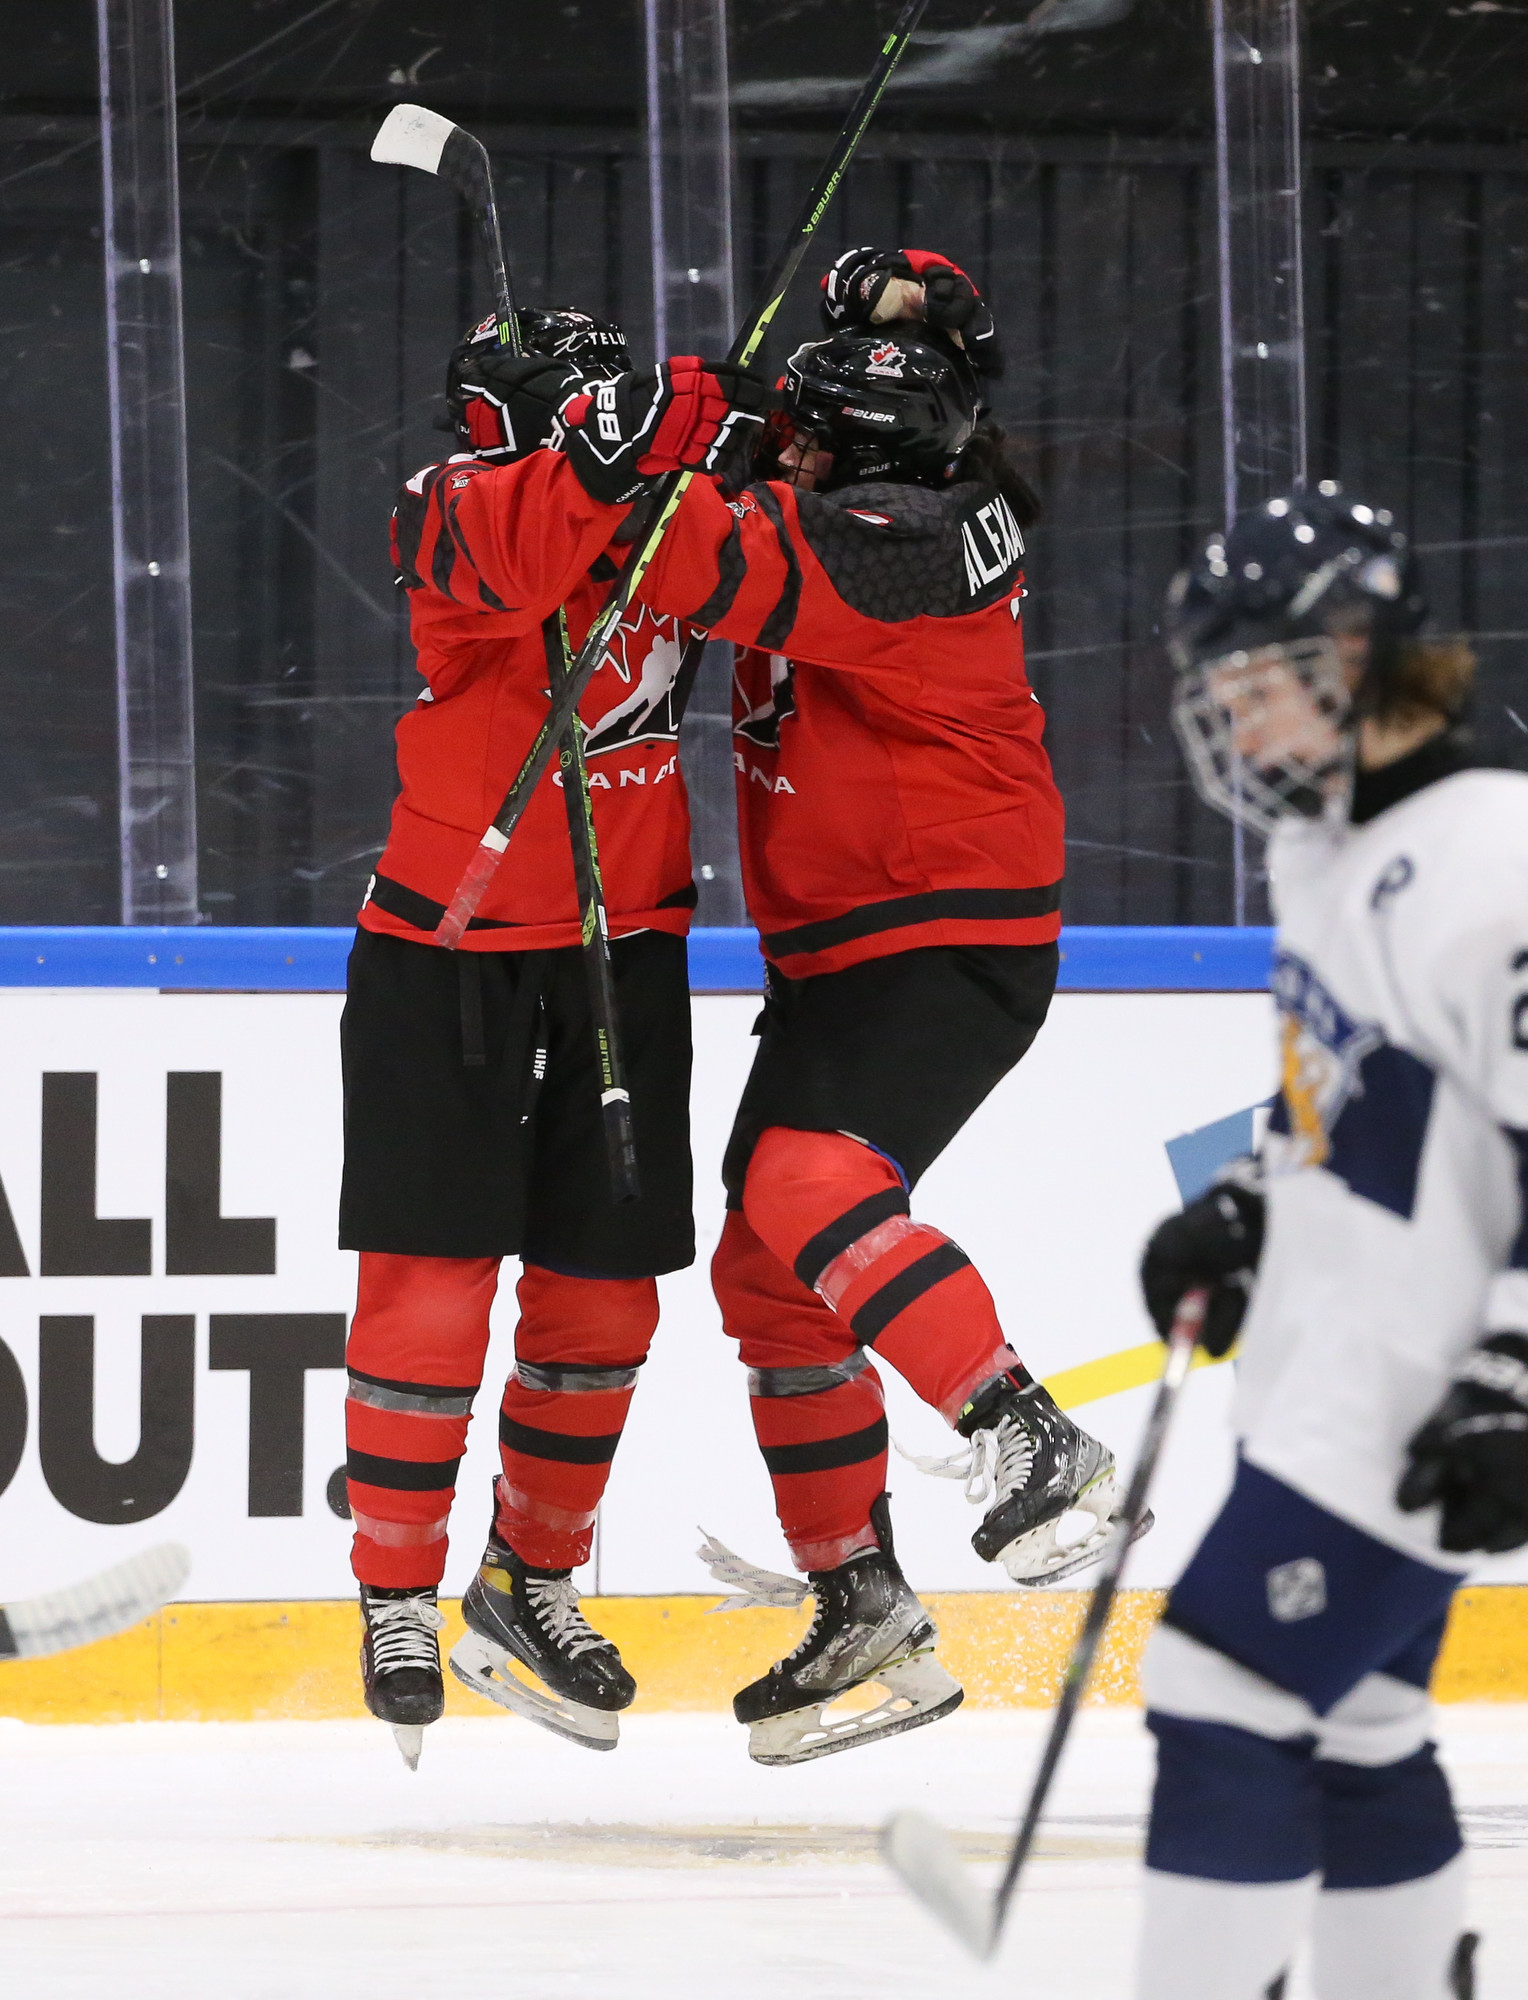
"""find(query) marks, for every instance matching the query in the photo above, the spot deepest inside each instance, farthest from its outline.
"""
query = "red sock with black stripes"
(415, 1356)
(818, 1408)
(836, 1214)
(578, 1347)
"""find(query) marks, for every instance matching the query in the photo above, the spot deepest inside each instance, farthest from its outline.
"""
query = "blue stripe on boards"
(1302, 1598)
(726, 961)
(253, 958)
(199, 957)
(1164, 958)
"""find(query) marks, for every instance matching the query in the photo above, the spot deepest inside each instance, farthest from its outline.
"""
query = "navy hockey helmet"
(1283, 633)
(500, 409)
(896, 403)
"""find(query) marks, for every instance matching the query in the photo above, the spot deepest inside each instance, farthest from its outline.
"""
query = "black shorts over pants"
(472, 1114)
(897, 1051)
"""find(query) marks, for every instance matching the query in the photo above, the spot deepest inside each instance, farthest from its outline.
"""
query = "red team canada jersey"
(486, 553)
(893, 788)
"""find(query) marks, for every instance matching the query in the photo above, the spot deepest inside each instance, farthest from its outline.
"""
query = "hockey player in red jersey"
(902, 850)
(472, 1116)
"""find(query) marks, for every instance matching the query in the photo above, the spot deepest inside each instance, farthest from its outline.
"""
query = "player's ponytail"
(986, 459)
(1430, 677)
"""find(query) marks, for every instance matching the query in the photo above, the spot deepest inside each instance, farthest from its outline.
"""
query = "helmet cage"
(779, 430)
(1299, 682)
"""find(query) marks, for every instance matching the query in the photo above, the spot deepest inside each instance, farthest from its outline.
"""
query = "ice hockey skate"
(867, 1629)
(517, 1614)
(400, 1663)
(1031, 1467)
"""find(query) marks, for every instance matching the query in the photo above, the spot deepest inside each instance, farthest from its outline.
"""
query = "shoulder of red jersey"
(412, 508)
(894, 552)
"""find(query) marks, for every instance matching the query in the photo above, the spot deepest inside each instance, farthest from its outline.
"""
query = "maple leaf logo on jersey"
(760, 722)
(887, 359)
(645, 653)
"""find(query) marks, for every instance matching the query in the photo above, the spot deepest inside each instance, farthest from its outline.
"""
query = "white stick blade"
(112, 1602)
(410, 136)
(924, 1855)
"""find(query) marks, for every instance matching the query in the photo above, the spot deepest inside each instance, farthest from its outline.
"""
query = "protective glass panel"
(1065, 154)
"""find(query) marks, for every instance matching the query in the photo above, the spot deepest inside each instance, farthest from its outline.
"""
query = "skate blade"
(409, 1738)
(485, 1668)
(919, 1691)
(1037, 1560)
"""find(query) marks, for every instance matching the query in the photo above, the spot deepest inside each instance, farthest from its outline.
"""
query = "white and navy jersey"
(1397, 1153)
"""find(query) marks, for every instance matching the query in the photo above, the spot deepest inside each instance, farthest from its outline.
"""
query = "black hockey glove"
(1215, 1242)
(869, 287)
(685, 414)
(504, 405)
(1471, 1456)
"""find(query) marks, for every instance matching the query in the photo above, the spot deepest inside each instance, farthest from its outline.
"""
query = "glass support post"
(689, 160)
(1256, 46)
(151, 555)
(689, 157)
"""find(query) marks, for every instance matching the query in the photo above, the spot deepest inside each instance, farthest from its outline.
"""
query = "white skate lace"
(808, 1635)
(760, 1588)
(994, 1464)
(764, 1589)
(403, 1633)
(555, 1603)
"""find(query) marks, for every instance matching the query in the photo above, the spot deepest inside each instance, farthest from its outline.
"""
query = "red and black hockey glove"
(1216, 1242)
(1471, 1456)
(869, 287)
(683, 415)
(504, 405)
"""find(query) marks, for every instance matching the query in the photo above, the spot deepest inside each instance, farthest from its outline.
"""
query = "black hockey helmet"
(897, 402)
(596, 345)
(1281, 603)
(501, 409)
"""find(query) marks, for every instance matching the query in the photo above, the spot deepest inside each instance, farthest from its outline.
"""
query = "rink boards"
(170, 1165)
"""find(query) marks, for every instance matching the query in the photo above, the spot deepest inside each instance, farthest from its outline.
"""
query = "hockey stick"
(669, 491)
(115, 1600)
(917, 1847)
(411, 136)
(615, 1099)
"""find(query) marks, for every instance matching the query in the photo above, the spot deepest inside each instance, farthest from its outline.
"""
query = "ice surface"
(292, 1860)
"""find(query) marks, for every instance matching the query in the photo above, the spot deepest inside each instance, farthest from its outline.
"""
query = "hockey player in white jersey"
(1382, 1392)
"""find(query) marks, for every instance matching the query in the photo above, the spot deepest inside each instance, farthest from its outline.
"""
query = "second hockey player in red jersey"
(902, 850)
